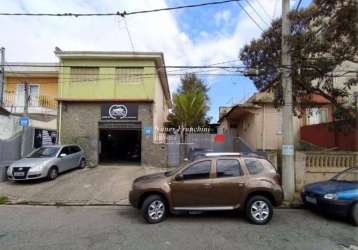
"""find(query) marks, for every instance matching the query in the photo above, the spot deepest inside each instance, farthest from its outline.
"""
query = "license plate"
(19, 173)
(311, 200)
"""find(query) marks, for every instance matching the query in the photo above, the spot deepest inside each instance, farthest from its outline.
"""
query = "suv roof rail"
(222, 154)
(218, 154)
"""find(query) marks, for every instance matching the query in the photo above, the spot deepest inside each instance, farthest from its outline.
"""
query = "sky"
(197, 36)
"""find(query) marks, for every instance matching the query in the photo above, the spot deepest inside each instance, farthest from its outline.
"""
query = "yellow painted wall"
(105, 87)
(48, 85)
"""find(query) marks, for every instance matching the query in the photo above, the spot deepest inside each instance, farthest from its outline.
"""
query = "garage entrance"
(120, 144)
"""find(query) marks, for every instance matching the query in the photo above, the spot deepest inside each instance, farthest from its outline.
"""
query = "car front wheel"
(154, 209)
(52, 173)
(259, 210)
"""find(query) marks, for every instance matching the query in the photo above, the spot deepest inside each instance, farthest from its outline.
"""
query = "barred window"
(129, 75)
(79, 74)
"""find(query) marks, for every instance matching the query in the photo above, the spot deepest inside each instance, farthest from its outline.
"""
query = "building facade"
(111, 103)
(41, 80)
(258, 122)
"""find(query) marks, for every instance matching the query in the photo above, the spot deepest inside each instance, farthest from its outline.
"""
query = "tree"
(191, 83)
(323, 37)
(190, 103)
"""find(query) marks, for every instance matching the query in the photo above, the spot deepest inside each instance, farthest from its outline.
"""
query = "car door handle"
(241, 184)
(207, 185)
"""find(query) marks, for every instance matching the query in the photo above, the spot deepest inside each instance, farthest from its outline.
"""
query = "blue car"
(338, 195)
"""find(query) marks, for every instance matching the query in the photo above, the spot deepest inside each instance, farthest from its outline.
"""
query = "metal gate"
(173, 142)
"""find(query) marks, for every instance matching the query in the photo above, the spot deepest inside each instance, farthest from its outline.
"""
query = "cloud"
(222, 17)
(34, 38)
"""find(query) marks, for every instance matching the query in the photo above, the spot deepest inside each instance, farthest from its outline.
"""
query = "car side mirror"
(62, 155)
(179, 177)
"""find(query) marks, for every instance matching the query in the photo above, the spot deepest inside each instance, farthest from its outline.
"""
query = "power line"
(257, 13)
(118, 66)
(247, 13)
(212, 64)
(129, 34)
(122, 14)
(182, 67)
(263, 8)
(298, 5)
(274, 9)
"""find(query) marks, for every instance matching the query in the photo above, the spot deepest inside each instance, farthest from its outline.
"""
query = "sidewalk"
(103, 185)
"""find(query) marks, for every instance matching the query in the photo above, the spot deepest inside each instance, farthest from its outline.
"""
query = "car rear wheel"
(354, 214)
(259, 210)
(82, 164)
(52, 173)
(154, 209)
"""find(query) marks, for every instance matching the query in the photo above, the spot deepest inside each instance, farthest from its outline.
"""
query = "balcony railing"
(37, 104)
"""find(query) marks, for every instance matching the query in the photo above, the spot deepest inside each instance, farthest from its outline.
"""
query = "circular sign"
(117, 111)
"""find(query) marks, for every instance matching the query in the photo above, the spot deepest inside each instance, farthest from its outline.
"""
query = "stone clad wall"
(79, 125)
(152, 154)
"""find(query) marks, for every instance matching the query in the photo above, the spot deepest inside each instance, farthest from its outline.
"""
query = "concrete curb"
(63, 204)
(89, 204)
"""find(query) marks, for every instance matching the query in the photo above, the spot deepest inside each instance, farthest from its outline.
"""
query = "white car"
(47, 162)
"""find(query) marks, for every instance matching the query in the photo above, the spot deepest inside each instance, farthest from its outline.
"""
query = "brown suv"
(217, 183)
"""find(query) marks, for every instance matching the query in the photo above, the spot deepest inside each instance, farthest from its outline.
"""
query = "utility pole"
(288, 174)
(25, 129)
(2, 75)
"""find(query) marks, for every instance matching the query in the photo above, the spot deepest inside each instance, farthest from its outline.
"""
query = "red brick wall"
(324, 136)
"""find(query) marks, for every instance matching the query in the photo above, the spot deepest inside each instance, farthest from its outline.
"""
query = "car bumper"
(28, 176)
(337, 207)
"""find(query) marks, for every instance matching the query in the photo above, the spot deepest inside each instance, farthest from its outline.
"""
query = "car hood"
(330, 186)
(30, 162)
(150, 177)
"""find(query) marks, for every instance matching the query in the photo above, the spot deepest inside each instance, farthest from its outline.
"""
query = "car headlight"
(330, 196)
(37, 168)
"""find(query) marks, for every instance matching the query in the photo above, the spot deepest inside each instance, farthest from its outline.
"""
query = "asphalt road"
(40, 227)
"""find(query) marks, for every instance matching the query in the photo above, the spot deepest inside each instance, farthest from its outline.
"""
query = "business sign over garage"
(119, 111)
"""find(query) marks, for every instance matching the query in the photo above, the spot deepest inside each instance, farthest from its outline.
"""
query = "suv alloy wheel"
(154, 209)
(259, 210)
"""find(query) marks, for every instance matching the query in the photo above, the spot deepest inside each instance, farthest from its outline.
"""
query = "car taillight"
(277, 179)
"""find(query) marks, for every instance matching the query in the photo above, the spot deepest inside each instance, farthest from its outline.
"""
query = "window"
(44, 152)
(253, 166)
(350, 175)
(200, 170)
(129, 75)
(316, 115)
(268, 166)
(65, 150)
(75, 149)
(33, 92)
(227, 168)
(79, 74)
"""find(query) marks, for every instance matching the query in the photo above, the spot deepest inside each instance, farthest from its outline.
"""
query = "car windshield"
(350, 175)
(171, 172)
(44, 152)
